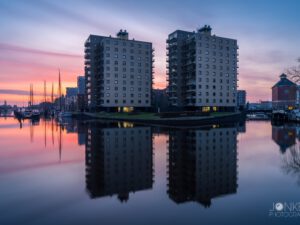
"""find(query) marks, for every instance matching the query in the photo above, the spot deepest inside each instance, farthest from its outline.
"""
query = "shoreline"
(151, 119)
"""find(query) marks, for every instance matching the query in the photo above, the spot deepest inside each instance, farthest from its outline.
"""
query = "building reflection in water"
(202, 164)
(118, 159)
(284, 136)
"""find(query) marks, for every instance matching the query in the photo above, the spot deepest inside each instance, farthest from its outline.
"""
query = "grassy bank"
(153, 116)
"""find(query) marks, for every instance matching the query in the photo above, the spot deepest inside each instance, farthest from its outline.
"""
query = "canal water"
(91, 172)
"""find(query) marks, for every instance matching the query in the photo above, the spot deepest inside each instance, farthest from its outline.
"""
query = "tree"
(294, 72)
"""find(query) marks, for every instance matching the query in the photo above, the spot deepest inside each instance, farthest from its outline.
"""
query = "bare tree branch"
(294, 72)
(291, 162)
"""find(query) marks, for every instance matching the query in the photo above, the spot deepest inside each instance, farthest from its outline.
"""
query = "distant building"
(262, 105)
(81, 85)
(71, 98)
(298, 96)
(202, 70)
(241, 98)
(118, 73)
(160, 100)
(71, 92)
(284, 93)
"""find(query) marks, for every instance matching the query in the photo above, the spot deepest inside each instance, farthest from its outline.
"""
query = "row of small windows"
(124, 69)
(124, 89)
(214, 73)
(214, 133)
(116, 56)
(214, 94)
(124, 95)
(227, 48)
(131, 82)
(124, 43)
(215, 60)
(221, 54)
(214, 80)
(132, 51)
(215, 101)
(125, 76)
(127, 131)
(221, 40)
(124, 63)
(207, 66)
(125, 101)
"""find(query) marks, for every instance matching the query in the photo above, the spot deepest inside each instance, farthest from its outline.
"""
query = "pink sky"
(38, 38)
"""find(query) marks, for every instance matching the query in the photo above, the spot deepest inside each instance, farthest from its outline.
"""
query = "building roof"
(284, 81)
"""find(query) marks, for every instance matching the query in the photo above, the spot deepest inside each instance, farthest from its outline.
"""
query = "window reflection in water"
(202, 164)
(285, 136)
(118, 160)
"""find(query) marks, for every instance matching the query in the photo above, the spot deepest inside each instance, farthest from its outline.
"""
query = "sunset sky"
(39, 37)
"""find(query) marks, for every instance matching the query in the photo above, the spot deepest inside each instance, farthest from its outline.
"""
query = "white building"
(118, 72)
(202, 70)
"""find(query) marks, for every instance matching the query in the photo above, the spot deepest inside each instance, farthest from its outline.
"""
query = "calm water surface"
(88, 172)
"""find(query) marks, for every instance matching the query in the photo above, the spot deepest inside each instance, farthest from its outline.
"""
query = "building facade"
(284, 93)
(81, 85)
(71, 98)
(118, 73)
(202, 70)
(241, 98)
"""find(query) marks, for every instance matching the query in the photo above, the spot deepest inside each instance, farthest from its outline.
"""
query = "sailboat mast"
(45, 95)
(31, 96)
(29, 101)
(59, 91)
(45, 91)
(52, 97)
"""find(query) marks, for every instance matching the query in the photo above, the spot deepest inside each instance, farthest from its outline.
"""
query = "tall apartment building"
(118, 72)
(202, 70)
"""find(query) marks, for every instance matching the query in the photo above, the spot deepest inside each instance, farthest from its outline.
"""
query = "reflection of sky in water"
(41, 184)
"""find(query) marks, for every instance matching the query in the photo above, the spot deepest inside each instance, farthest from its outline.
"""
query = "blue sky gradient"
(267, 33)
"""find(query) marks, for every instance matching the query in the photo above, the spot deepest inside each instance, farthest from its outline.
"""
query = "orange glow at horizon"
(34, 66)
